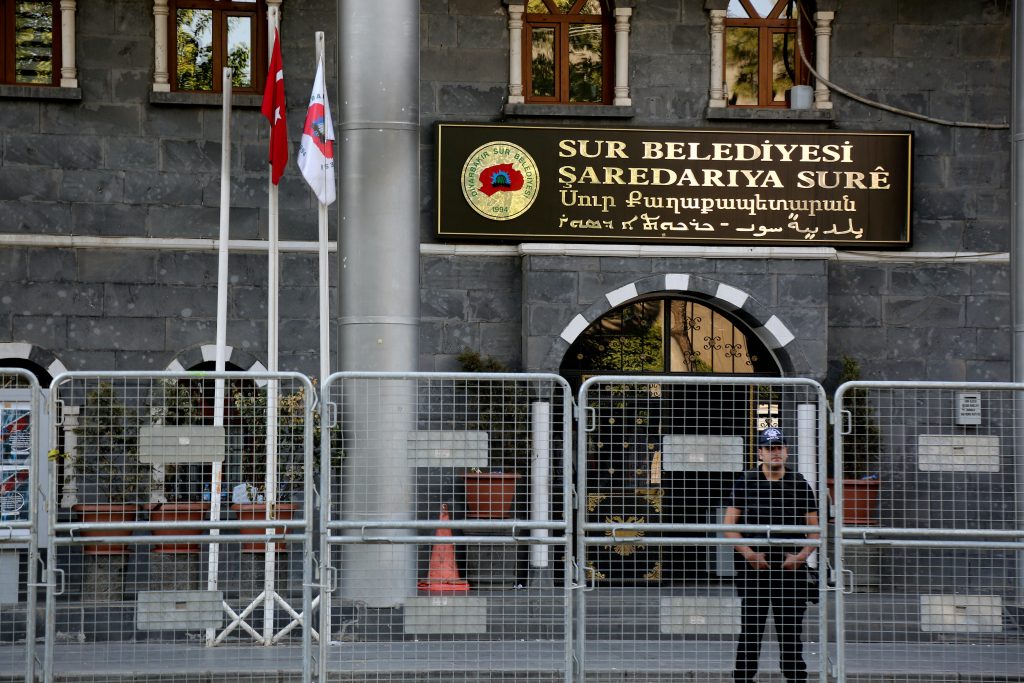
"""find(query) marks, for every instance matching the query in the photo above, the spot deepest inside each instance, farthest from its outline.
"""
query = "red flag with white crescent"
(274, 109)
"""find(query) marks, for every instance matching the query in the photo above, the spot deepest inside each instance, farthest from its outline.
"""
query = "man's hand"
(793, 561)
(757, 560)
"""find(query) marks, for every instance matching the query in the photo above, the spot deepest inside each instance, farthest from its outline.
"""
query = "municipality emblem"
(500, 180)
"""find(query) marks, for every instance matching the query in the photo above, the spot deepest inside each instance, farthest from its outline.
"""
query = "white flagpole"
(222, 332)
(273, 274)
(325, 330)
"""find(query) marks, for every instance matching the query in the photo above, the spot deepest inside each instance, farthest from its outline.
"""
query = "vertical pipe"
(807, 453)
(273, 286)
(837, 562)
(378, 251)
(222, 329)
(325, 318)
(540, 483)
(39, 475)
(50, 614)
(1017, 262)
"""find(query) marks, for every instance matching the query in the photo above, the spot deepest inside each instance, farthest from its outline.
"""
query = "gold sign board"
(533, 183)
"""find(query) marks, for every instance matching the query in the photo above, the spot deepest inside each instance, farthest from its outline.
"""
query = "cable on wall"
(880, 105)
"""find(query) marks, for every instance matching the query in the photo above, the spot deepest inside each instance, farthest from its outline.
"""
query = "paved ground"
(493, 661)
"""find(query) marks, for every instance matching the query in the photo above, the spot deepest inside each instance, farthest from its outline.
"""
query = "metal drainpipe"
(378, 251)
(1017, 262)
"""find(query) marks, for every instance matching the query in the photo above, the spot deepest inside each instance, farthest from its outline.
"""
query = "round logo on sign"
(500, 180)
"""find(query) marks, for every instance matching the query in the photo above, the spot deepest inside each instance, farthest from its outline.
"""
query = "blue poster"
(15, 460)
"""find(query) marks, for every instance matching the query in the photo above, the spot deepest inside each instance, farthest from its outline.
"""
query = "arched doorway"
(654, 453)
(667, 334)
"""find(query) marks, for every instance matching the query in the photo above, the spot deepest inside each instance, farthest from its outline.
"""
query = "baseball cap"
(772, 436)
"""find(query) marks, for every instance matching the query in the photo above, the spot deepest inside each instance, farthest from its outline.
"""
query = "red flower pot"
(102, 513)
(258, 511)
(490, 495)
(178, 512)
(860, 501)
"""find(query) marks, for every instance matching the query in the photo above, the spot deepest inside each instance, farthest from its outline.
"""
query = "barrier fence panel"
(667, 468)
(445, 509)
(21, 476)
(929, 513)
(182, 536)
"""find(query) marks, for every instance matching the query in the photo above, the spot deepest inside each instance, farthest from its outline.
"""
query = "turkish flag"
(273, 109)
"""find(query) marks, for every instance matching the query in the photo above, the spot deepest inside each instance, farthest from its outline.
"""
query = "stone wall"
(118, 163)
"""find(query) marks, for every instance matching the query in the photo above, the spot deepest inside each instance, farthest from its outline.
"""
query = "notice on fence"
(532, 183)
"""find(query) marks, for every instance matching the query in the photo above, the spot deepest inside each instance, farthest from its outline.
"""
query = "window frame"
(222, 10)
(561, 23)
(767, 28)
(8, 60)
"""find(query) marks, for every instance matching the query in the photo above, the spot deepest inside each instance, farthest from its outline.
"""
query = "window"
(761, 62)
(209, 35)
(30, 31)
(665, 335)
(567, 53)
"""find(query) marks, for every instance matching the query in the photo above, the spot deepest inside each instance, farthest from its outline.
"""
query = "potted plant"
(249, 499)
(861, 453)
(179, 497)
(503, 411)
(489, 494)
(107, 460)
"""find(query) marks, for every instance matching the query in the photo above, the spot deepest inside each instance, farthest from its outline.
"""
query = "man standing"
(772, 578)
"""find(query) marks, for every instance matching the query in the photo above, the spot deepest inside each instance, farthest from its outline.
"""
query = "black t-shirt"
(778, 503)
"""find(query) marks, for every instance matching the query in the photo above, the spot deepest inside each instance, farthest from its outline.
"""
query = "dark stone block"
(112, 333)
(107, 219)
(72, 152)
(931, 279)
(854, 310)
(551, 287)
(469, 100)
(38, 185)
(92, 186)
(460, 336)
(111, 267)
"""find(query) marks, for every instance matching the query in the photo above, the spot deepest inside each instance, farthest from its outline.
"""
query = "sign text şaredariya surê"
(702, 176)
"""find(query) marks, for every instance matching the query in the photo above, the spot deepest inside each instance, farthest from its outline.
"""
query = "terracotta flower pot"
(178, 512)
(102, 513)
(860, 501)
(490, 495)
(258, 511)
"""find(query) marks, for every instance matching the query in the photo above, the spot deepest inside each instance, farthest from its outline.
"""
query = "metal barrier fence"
(930, 524)
(633, 575)
(666, 480)
(445, 510)
(186, 549)
(21, 464)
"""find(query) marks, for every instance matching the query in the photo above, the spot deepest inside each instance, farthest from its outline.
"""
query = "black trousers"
(783, 594)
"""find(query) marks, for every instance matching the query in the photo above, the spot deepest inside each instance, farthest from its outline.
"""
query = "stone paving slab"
(493, 661)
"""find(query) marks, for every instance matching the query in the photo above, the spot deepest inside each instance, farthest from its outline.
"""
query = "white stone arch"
(762, 323)
(207, 353)
(37, 355)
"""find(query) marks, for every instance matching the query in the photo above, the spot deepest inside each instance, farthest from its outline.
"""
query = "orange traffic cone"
(444, 574)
